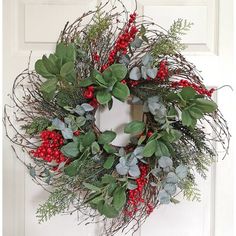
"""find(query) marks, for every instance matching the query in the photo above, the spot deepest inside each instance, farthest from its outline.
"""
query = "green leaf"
(195, 112)
(120, 91)
(109, 162)
(67, 69)
(41, 69)
(186, 118)
(85, 82)
(80, 121)
(174, 200)
(72, 169)
(61, 50)
(49, 86)
(103, 96)
(107, 179)
(162, 149)
(66, 52)
(119, 198)
(206, 106)
(109, 148)
(70, 150)
(106, 137)
(188, 93)
(107, 74)
(70, 52)
(119, 71)
(95, 148)
(176, 134)
(141, 139)
(96, 200)
(134, 127)
(108, 210)
(63, 99)
(150, 148)
(143, 30)
(88, 138)
(97, 76)
(91, 187)
(50, 66)
(172, 97)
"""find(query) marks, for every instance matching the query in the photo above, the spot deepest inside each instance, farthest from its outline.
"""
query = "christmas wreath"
(121, 56)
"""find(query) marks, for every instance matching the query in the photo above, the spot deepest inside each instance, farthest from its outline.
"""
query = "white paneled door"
(34, 25)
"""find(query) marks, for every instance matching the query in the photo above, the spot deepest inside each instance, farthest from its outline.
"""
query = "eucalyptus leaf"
(71, 149)
(122, 169)
(134, 171)
(58, 124)
(181, 171)
(165, 161)
(95, 148)
(67, 133)
(147, 59)
(172, 178)
(164, 197)
(135, 74)
(152, 73)
(80, 121)
(137, 43)
(170, 189)
(87, 107)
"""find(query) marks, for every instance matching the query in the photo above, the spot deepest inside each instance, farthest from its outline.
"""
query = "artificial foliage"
(123, 56)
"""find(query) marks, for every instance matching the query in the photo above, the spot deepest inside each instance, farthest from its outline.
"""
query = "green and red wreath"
(121, 56)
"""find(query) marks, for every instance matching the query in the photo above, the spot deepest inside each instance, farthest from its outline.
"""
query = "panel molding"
(210, 47)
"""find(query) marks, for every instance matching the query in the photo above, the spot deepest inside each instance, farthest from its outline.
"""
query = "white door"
(35, 25)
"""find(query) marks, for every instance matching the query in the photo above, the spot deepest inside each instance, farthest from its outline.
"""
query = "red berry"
(149, 133)
(77, 133)
(88, 94)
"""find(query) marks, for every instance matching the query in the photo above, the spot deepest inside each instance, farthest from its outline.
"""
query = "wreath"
(127, 57)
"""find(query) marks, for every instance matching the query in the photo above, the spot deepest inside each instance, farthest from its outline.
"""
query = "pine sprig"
(179, 27)
(190, 190)
(58, 202)
(170, 43)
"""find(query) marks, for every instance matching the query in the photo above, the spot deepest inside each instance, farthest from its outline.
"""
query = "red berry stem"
(185, 83)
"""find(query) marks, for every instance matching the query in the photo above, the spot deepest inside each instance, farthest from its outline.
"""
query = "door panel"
(35, 25)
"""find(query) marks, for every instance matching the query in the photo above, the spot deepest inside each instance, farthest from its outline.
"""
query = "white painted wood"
(211, 217)
(52, 19)
(203, 13)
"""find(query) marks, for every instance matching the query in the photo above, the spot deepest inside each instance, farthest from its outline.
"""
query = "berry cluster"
(49, 149)
(123, 41)
(96, 57)
(131, 83)
(163, 71)
(89, 94)
(135, 199)
(185, 83)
